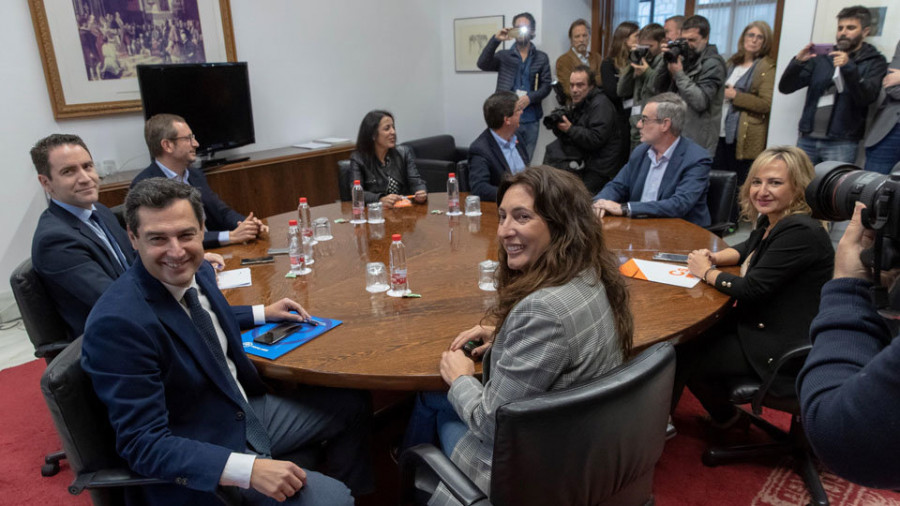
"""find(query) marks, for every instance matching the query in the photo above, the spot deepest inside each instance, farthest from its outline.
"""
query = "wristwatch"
(626, 212)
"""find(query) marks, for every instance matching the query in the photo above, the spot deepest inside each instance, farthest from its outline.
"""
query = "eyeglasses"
(756, 36)
(645, 119)
(190, 137)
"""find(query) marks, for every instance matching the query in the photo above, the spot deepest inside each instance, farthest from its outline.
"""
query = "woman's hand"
(730, 92)
(388, 201)
(455, 364)
(476, 333)
(421, 196)
(699, 261)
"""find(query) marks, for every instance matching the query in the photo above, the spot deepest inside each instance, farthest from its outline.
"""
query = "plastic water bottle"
(359, 203)
(305, 220)
(295, 250)
(399, 281)
(453, 196)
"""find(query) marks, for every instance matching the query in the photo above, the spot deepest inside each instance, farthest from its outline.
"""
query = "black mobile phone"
(276, 333)
(258, 260)
(470, 346)
(671, 257)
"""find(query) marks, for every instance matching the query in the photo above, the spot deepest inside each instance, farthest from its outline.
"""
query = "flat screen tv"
(214, 99)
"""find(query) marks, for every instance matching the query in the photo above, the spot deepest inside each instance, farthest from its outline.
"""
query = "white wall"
(315, 69)
(796, 30)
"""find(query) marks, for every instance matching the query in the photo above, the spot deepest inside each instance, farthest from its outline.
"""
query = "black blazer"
(487, 165)
(219, 217)
(373, 177)
(779, 295)
(72, 262)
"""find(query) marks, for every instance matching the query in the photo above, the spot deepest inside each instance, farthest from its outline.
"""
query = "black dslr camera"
(677, 47)
(555, 117)
(833, 194)
(638, 53)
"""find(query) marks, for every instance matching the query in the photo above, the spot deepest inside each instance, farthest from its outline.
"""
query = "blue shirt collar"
(505, 144)
(171, 174)
(667, 155)
(79, 212)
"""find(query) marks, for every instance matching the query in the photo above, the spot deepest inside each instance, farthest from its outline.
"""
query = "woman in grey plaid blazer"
(561, 318)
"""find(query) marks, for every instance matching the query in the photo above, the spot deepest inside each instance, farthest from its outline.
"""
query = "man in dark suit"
(497, 151)
(78, 249)
(173, 148)
(186, 403)
(667, 176)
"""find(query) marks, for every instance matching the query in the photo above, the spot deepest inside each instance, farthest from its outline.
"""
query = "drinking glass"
(486, 275)
(375, 213)
(376, 277)
(322, 229)
(473, 205)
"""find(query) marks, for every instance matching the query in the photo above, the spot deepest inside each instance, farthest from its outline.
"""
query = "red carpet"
(681, 479)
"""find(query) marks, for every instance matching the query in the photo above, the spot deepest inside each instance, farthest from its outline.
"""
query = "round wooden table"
(388, 343)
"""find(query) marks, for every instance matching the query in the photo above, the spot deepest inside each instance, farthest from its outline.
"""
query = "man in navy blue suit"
(667, 176)
(497, 151)
(78, 249)
(163, 349)
(173, 148)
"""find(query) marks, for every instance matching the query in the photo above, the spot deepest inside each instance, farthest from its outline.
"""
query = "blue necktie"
(256, 433)
(117, 253)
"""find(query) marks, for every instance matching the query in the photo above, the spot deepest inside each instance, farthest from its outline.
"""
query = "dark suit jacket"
(682, 193)
(219, 217)
(73, 263)
(487, 165)
(174, 415)
(779, 295)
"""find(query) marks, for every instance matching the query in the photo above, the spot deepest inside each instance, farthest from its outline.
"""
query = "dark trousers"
(726, 160)
(710, 366)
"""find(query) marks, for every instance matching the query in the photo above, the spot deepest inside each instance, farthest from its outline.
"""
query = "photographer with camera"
(842, 84)
(637, 79)
(692, 68)
(851, 380)
(588, 141)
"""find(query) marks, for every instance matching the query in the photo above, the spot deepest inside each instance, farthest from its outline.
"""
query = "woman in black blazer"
(784, 263)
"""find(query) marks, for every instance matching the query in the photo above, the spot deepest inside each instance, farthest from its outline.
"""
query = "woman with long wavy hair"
(561, 318)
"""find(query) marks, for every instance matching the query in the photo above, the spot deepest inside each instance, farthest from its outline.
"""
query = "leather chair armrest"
(462, 488)
(797, 353)
(462, 153)
(108, 478)
(50, 349)
(720, 228)
(434, 172)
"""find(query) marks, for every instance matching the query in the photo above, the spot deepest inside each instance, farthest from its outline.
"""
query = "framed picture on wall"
(90, 48)
(470, 35)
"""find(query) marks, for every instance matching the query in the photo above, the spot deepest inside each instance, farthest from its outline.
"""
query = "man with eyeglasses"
(667, 176)
(173, 148)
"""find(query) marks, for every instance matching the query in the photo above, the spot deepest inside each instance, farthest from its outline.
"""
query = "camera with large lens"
(555, 117)
(638, 53)
(677, 47)
(833, 194)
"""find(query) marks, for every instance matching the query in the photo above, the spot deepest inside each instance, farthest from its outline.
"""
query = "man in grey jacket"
(698, 77)
(883, 138)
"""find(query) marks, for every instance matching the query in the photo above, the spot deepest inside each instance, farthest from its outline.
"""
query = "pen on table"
(311, 322)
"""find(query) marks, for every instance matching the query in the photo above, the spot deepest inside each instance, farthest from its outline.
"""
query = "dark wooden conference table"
(388, 343)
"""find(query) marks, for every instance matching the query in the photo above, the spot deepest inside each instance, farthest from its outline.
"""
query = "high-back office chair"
(45, 328)
(756, 393)
(436, 157)
(81, 421)
(596, 443)
(720, 200)
(119, 212)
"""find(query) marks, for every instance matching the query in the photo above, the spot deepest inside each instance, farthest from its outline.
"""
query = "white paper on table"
(333, 140)
(659, 272)
(235, 278)
(312, 145)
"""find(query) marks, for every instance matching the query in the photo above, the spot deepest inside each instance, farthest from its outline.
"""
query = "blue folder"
(304, 334)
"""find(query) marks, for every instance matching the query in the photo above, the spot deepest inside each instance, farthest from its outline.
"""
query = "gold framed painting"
(90, 48)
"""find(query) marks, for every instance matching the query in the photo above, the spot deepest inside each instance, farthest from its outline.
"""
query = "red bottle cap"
(395, 237)
(355, 182)
(292, 223)
(452, 174)
(302, 200)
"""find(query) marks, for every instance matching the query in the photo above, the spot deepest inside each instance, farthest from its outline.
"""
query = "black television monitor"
(214, 99)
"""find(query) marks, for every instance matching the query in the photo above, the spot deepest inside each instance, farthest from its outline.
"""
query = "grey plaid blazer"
(554, 338)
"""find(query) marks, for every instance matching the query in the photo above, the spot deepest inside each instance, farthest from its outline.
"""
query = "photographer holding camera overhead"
(843, 80)
(692, 68)
(851, 380)
(589, 139)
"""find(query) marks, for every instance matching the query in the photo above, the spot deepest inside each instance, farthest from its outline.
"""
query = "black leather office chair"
(345, 183)
(119, 212)
(785, 443)
(436, 157)
(81, 421)
(721, 199)
(596, 443)
(45, 328)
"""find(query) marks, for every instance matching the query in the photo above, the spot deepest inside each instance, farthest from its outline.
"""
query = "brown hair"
(579, 22)
(766, 48)
(800, 173)
(159, 127)
(576, 244)
(619, 49)
(40, 153)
